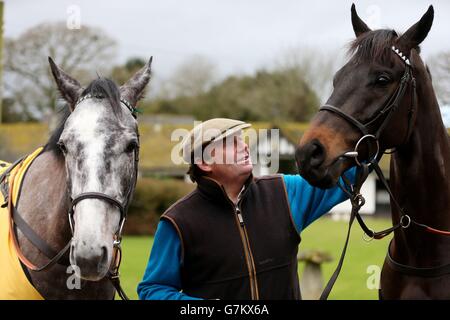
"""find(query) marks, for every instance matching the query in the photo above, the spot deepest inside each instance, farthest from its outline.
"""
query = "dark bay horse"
(88, 169)
(385, 92)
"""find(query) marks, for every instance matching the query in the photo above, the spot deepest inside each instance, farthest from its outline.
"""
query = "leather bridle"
(97, 196)
(113, 274)
(385, 114)
(17, 220)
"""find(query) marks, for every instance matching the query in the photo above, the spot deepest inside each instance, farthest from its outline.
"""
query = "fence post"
(311, 283)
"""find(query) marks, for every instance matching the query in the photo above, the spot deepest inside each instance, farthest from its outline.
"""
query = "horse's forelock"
(373, 46)
(52, 143)
(106, 89)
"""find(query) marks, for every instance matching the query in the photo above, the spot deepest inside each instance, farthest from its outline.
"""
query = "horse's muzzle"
(92, 262)
(310, 159)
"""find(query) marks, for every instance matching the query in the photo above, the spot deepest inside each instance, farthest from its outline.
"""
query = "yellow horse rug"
(13, 281)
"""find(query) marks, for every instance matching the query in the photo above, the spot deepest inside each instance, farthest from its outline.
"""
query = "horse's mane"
(103, 88)
(52, 143)
(373, 46)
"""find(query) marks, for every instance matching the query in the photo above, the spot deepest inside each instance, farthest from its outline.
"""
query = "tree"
(268, 95)
(265, 96)
(121, 74)
(440, 71)
(9, 114)
(193, 77)
(281, 93)
(314, 66)
(28, 81)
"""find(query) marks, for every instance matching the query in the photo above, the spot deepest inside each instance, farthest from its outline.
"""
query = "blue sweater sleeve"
(308, 203)
(162, 279)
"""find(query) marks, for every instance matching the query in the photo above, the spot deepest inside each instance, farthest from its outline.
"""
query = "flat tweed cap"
(209, 131)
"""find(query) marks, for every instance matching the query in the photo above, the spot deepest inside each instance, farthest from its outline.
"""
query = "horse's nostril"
(317, 154)
(104, 258)
(310, 156)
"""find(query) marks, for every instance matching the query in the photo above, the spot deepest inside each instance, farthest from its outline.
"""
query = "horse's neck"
(420, 173)
(43, 204)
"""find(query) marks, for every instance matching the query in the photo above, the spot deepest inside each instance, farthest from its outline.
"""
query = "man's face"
(228, 159)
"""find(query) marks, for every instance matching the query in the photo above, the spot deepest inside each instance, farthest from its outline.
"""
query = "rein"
(356, 198)
(16, 220)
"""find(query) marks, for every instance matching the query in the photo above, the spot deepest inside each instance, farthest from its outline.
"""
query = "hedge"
(151, 198)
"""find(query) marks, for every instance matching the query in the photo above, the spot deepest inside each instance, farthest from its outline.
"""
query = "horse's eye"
(62, 147)
(382, 80)
(131, 147)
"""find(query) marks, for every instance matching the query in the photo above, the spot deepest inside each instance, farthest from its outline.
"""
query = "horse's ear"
(359, 26)
(69, 88)
(419, 31)
(133, 89)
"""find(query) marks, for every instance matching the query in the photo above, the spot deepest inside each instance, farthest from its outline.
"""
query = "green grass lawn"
(329, 235)
(136, 251)
(324, 234)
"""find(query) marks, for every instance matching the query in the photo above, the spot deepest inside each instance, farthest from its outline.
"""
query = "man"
(235, 236)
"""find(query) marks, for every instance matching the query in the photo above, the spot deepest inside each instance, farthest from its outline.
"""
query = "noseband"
(387, 111)
(98, 196)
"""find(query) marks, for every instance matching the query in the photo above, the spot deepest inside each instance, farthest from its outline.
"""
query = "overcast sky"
(237, 35)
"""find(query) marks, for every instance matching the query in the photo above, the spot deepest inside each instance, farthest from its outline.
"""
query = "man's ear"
(418, 32)
(69, 88)
(359, 26)
(133, 89)
(204, 167)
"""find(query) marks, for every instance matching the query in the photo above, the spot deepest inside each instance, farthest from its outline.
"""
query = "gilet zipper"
(248, 254)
